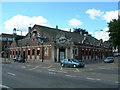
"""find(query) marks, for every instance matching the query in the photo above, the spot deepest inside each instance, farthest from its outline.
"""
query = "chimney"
(70, 30)
(56, 26)
(29, 29)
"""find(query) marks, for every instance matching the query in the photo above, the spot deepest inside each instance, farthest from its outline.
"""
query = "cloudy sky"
(92, 16)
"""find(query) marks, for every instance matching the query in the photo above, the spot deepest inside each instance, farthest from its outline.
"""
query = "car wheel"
(74, 66)
(62, 65)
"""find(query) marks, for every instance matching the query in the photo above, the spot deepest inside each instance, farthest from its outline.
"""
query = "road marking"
(98, 79)
(35, 67)
(90, 78)
(62, 71)
(116, 82)
(90, 69)
(52, 73)
(11, 74)
(50, 66)
(28, 65)
(102, 68)
(61, 68)
(69, 75)
(77, 70)
(23, 67)
(3, 86)
(51, 70)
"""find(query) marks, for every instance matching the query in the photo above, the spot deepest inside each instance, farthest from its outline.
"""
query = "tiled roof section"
(107, 44)
(24, 42)
(51, 34)
(75, 36)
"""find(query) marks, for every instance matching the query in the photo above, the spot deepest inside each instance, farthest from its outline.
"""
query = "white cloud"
(21, 22)
(67, 29)
(104, 35)
(93, 13)
(75, 22)
(108, 16)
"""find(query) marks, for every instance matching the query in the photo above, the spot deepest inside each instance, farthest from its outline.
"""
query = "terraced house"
(52, 44)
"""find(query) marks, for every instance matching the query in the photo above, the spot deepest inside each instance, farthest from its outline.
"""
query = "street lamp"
(94, 45)
(21, 51)
(41, 41)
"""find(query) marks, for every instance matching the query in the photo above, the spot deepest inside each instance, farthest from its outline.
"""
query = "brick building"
(5, 42)
(53, 44)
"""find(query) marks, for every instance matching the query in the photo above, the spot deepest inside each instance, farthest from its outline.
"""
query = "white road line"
(52, 73)
(51, 70)
(23, 67)
(90, 78)
(98, 79)
(116, 82)
(62, 71)
(69, 75)
(11, 74)
(3, 86)
(35, 67)
(28, 65)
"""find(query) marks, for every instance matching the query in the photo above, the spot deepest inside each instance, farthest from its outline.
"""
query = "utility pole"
(42, 47)
(21, 50)
(94, 45)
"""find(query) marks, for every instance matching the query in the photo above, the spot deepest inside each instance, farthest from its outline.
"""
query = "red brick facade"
(54, 44)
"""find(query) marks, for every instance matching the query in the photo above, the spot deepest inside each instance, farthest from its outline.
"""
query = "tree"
(80, 30)
(114, 32)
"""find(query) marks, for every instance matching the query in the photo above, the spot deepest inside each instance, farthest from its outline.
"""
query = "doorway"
(61, 54)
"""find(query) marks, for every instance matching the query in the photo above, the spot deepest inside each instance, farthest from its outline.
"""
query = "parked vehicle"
(19, 59)
(15, 59)
(71, 62)
(109, 60)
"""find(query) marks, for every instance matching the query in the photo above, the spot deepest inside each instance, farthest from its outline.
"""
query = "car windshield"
(109, 58)
(74, 60)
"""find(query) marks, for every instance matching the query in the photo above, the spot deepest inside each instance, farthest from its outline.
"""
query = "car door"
(65, 62)
(70, 62)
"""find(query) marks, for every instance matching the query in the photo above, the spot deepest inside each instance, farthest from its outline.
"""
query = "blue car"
(109, 60)
(15, 59)
(71, 62)
(18, 59)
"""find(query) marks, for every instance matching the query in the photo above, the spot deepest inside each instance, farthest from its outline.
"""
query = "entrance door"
(61, 54)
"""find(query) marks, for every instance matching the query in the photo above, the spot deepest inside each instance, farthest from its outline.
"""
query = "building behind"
(5, 43)
(52, 44)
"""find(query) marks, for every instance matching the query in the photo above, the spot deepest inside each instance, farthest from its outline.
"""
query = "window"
(75, 51)
(46, 51)
(28, 52)
(13, 52)
(38, 52)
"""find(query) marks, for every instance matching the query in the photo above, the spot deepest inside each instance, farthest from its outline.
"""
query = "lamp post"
(42, 47)
(21, 51)
(94, 45)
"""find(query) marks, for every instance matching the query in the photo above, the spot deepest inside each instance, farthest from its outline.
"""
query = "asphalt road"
(14, 76)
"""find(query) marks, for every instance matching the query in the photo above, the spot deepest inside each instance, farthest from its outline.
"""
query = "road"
(26, 75)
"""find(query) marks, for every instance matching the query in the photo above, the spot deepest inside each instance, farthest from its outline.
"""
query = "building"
(52, 44)
(116, 51)
(5, 42)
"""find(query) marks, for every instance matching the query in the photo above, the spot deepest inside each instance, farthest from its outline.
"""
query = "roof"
(51, 34)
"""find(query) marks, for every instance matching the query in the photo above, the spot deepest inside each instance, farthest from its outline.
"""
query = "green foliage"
(114, 30)
(80, 30)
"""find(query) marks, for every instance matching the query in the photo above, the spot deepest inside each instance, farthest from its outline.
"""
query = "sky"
(91, 16)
